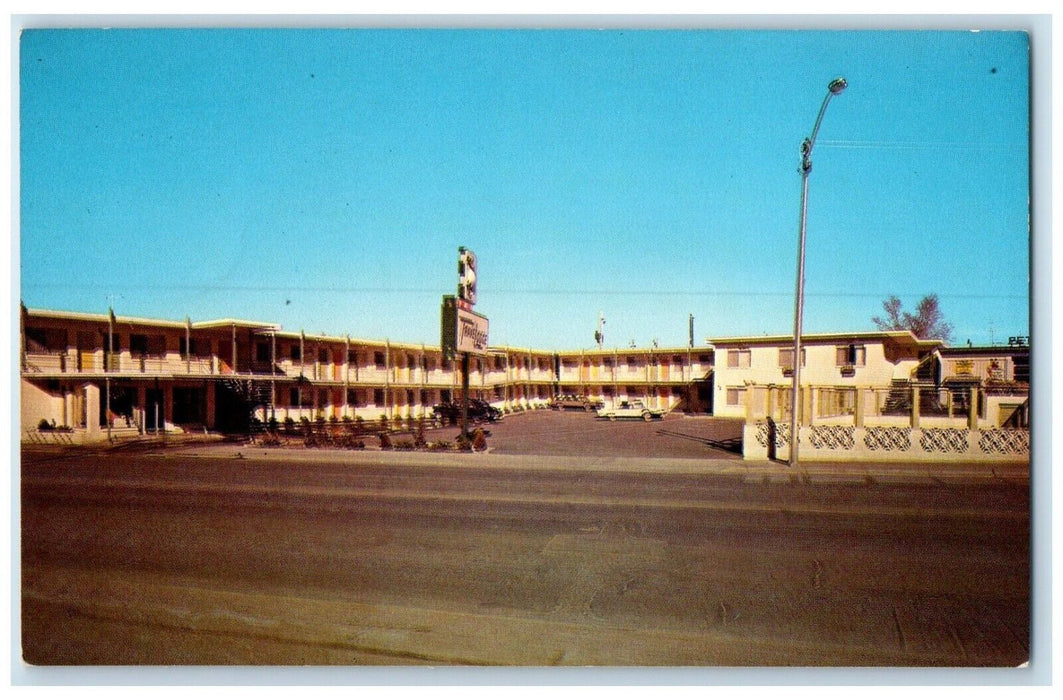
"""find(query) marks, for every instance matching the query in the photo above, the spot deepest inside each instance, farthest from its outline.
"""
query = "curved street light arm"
(835, 87)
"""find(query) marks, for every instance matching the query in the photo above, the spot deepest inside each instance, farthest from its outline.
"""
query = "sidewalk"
(755, 470)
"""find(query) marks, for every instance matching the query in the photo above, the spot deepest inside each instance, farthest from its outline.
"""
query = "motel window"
(378, 360)
(138, 344)
(736, 396)
(299, 398)
(157, 345)
(738, 358)
(262, 352)
(352, 357)
(786, 358)
(296, 353)
(323, 356)
(45, 339)
(500, 362)
(705, 359)
(36, 339)
(855, 355)
(378, 397)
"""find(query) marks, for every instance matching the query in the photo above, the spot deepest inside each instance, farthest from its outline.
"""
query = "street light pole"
(834, 88)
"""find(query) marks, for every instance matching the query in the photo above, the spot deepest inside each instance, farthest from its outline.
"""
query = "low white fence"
(768, 439)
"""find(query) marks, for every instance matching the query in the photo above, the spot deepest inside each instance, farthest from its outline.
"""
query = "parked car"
(481, 410)
(631, 410)
(449, 412)
(574, 402)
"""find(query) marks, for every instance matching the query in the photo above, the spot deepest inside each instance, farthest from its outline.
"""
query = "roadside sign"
(461, 329)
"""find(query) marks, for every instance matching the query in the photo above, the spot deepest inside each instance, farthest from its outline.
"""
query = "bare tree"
(927, 322)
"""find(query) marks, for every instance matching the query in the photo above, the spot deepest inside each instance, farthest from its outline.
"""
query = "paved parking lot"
(582, 434)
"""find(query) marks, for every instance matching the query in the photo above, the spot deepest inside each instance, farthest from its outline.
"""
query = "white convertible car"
(631, 410)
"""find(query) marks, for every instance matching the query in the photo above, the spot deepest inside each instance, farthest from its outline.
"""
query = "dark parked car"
(481, 410)
(574, 402)
(449, 412)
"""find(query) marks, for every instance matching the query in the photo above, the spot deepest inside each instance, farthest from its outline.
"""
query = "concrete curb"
(749, 469)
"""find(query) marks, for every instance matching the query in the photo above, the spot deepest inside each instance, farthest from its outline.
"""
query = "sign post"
(462, 330)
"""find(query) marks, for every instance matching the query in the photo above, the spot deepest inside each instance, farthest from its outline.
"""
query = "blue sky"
(324, 179)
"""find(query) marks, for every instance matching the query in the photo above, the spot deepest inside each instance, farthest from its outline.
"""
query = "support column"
(167, 407)
(92, 410)
(68, 407)
(858, 409)
(211, 406)
(806, 406)
(142, 402)
(972, 416)
(915, 407)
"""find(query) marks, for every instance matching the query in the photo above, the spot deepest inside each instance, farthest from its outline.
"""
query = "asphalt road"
(232, 555)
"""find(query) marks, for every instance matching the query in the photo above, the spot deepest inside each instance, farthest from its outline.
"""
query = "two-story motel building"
(100, 372)
(171, 375)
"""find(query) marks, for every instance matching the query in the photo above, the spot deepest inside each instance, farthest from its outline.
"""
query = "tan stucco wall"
(37, 403)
